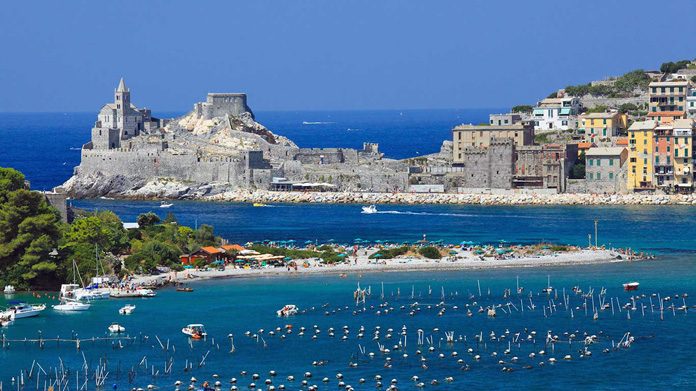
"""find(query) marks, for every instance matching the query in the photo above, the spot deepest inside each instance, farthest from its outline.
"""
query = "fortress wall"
(156, 164)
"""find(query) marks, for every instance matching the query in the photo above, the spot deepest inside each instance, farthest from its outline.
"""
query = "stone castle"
(218, 146)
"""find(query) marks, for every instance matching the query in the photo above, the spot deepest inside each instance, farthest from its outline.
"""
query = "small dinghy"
(631, 286)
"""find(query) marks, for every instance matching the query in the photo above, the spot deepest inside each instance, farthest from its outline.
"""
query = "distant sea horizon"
(45, 146)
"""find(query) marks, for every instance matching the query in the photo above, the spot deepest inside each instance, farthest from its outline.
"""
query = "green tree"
(10, 180)
(148, 219)
(522, 109)
(29, 230)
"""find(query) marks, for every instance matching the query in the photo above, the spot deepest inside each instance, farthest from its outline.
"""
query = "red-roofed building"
(667, 117)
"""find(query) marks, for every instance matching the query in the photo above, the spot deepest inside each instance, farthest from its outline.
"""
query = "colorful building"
(640, 155)
(602, 126)
(556, 114)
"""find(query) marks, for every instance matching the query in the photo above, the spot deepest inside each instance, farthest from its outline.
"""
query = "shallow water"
(661, 356)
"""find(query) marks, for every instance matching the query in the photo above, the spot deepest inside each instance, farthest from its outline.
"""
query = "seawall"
(454, 199)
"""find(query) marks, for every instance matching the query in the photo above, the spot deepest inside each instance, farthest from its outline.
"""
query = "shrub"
(430, 252)
(390, 253)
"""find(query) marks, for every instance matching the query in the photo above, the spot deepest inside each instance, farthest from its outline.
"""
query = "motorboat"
(165, 204)
(259, 204)
(24, 310)
(288, 310)
(127, 309)
(71, 306)
(116, 328)
(369, 209)
(631, 286)
(195, 331)
(9, 289)
(182, 288)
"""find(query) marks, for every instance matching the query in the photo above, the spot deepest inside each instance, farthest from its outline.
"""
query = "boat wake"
(316, 123)
(398, 212)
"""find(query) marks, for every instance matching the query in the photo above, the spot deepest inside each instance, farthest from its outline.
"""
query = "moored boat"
(71, 306)
(19, 310)
(631, 286)
(127, 309)
(116, 328)
(9, 289)
(195, 331)
(165, 204)
(288, 310)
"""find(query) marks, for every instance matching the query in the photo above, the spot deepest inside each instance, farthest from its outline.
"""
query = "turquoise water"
(660, 357)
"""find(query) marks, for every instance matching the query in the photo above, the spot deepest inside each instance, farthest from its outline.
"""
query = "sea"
(415, 311)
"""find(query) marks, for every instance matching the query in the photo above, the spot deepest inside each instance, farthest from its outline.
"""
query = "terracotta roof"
(586, 145)
(232, 247)
(666, 113)
(212, 250)
(622, 141)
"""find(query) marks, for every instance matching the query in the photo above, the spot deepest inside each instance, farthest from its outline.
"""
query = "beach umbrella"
(342, 255)
(188, 267)
(292, 241)
(378, 241)
(287, 259)
(378, 255)
(330, 241)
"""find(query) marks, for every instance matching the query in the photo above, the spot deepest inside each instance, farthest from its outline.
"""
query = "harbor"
(441, 330)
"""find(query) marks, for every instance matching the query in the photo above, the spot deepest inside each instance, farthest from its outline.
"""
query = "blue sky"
(327, 55)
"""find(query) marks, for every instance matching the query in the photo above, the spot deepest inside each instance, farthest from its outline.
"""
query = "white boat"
(9, 289)
(195, 331)
(116, 328)
(127, 309)
(288, 310)
(24, 310)
(71, 306)
(369, 209)
(140, 292)
(631, 286)
(165, 204)
(91, 293)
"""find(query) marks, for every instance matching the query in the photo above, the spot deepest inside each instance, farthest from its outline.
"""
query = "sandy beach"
(463, 260)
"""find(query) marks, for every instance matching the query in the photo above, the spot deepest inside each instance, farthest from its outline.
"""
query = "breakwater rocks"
(268, 197)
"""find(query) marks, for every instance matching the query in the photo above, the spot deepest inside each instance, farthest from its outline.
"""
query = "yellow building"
(602, 126)
(640, 155)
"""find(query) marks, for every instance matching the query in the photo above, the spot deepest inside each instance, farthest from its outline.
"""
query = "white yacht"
(9, 289)
(369, 209)
(71, 306)
(23, 310)
(165, 204)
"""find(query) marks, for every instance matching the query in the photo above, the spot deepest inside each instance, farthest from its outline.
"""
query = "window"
(590, 162)
(599, 176)
(599, 162)
(604, 121)
(676, 153)
(591, 176)
(611, 162)
(611, 175)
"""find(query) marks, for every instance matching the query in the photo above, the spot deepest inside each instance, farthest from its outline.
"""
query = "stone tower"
(122, 96)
